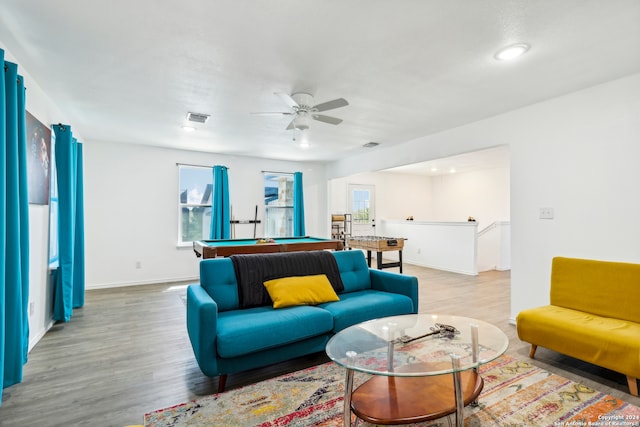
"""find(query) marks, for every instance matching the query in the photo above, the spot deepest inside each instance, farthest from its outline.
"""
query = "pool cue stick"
(255, 222)
(233, 223)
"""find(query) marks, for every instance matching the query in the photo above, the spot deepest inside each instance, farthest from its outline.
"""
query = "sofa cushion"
(607, 342)
(353, 270)
(357, 307)
(218, 278)
(300, 290)
(254, 329)
(604, 288)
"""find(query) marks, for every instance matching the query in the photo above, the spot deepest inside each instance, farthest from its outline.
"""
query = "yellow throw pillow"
(300, 290)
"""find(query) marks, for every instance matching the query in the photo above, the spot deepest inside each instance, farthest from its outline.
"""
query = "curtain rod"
(197, 166)
(287, 173)
(202, 166)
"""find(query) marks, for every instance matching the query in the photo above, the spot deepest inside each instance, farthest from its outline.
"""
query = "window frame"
(53, 258)
(286, 210)
(181, 205)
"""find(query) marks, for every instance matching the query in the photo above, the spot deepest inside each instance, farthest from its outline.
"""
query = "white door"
(361, 205)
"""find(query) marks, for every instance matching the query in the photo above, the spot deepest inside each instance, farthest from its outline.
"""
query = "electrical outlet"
(32, 308)
(138, 264)
(546, 213)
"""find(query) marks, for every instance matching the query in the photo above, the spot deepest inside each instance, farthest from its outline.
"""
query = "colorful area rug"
(515, 393)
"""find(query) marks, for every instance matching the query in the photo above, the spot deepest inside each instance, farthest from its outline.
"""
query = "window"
(53, 209)
(278, 202)
(361, 205)
(194, 203)
(360, 208)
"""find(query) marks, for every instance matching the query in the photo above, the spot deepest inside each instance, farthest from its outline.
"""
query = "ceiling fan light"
(301, 122)
(511, 52)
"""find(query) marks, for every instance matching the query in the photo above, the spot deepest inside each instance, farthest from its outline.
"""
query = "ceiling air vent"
(371, 144)
(197, 117)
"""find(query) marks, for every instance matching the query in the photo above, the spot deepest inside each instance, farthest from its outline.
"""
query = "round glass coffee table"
(424, 366)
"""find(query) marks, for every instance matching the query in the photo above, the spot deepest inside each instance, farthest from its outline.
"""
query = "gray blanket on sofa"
(255, 269)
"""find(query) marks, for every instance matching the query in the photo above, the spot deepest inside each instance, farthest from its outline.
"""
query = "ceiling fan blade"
(287, 99)
(330, 105)
(327, 119)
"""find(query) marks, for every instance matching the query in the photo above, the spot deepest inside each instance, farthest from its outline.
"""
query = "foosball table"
(379, 245)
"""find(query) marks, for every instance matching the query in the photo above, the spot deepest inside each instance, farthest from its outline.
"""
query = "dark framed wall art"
(38, 160)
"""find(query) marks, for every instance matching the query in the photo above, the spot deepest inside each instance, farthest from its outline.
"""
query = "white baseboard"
(435, 267)
(142, 282)
(33, 340)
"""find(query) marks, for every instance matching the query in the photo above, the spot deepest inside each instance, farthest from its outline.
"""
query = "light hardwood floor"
(127, 352)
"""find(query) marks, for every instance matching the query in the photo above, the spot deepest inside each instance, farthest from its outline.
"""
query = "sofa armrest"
(396, 283)
(202, 320)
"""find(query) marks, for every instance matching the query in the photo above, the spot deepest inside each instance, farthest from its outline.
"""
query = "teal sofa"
(227, 339)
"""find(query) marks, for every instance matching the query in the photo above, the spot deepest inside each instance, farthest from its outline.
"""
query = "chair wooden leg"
(532, 351)
(633, 385)
(222, 381)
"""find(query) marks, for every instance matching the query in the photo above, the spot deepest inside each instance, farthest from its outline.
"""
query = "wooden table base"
(404, 400)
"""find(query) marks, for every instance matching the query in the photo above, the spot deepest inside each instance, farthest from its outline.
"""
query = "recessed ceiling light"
(371, 144)
(452, 170)
(188, 128)
(511, 52)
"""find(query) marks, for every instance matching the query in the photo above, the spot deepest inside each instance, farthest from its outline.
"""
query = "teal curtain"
(68, 288)
(298, 205)
(78, 246)
(14, 228)
(220, 206)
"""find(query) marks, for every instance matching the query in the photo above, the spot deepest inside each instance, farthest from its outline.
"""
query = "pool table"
(214, 248)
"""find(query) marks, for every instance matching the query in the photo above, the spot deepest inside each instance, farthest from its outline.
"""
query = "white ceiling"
(129, 71)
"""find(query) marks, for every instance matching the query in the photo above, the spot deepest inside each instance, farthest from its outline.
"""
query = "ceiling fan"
(303, 110)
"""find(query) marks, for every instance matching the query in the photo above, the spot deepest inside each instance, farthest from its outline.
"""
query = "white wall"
(397, 195)
(482, 194)
(131, 213)
(577, 154)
